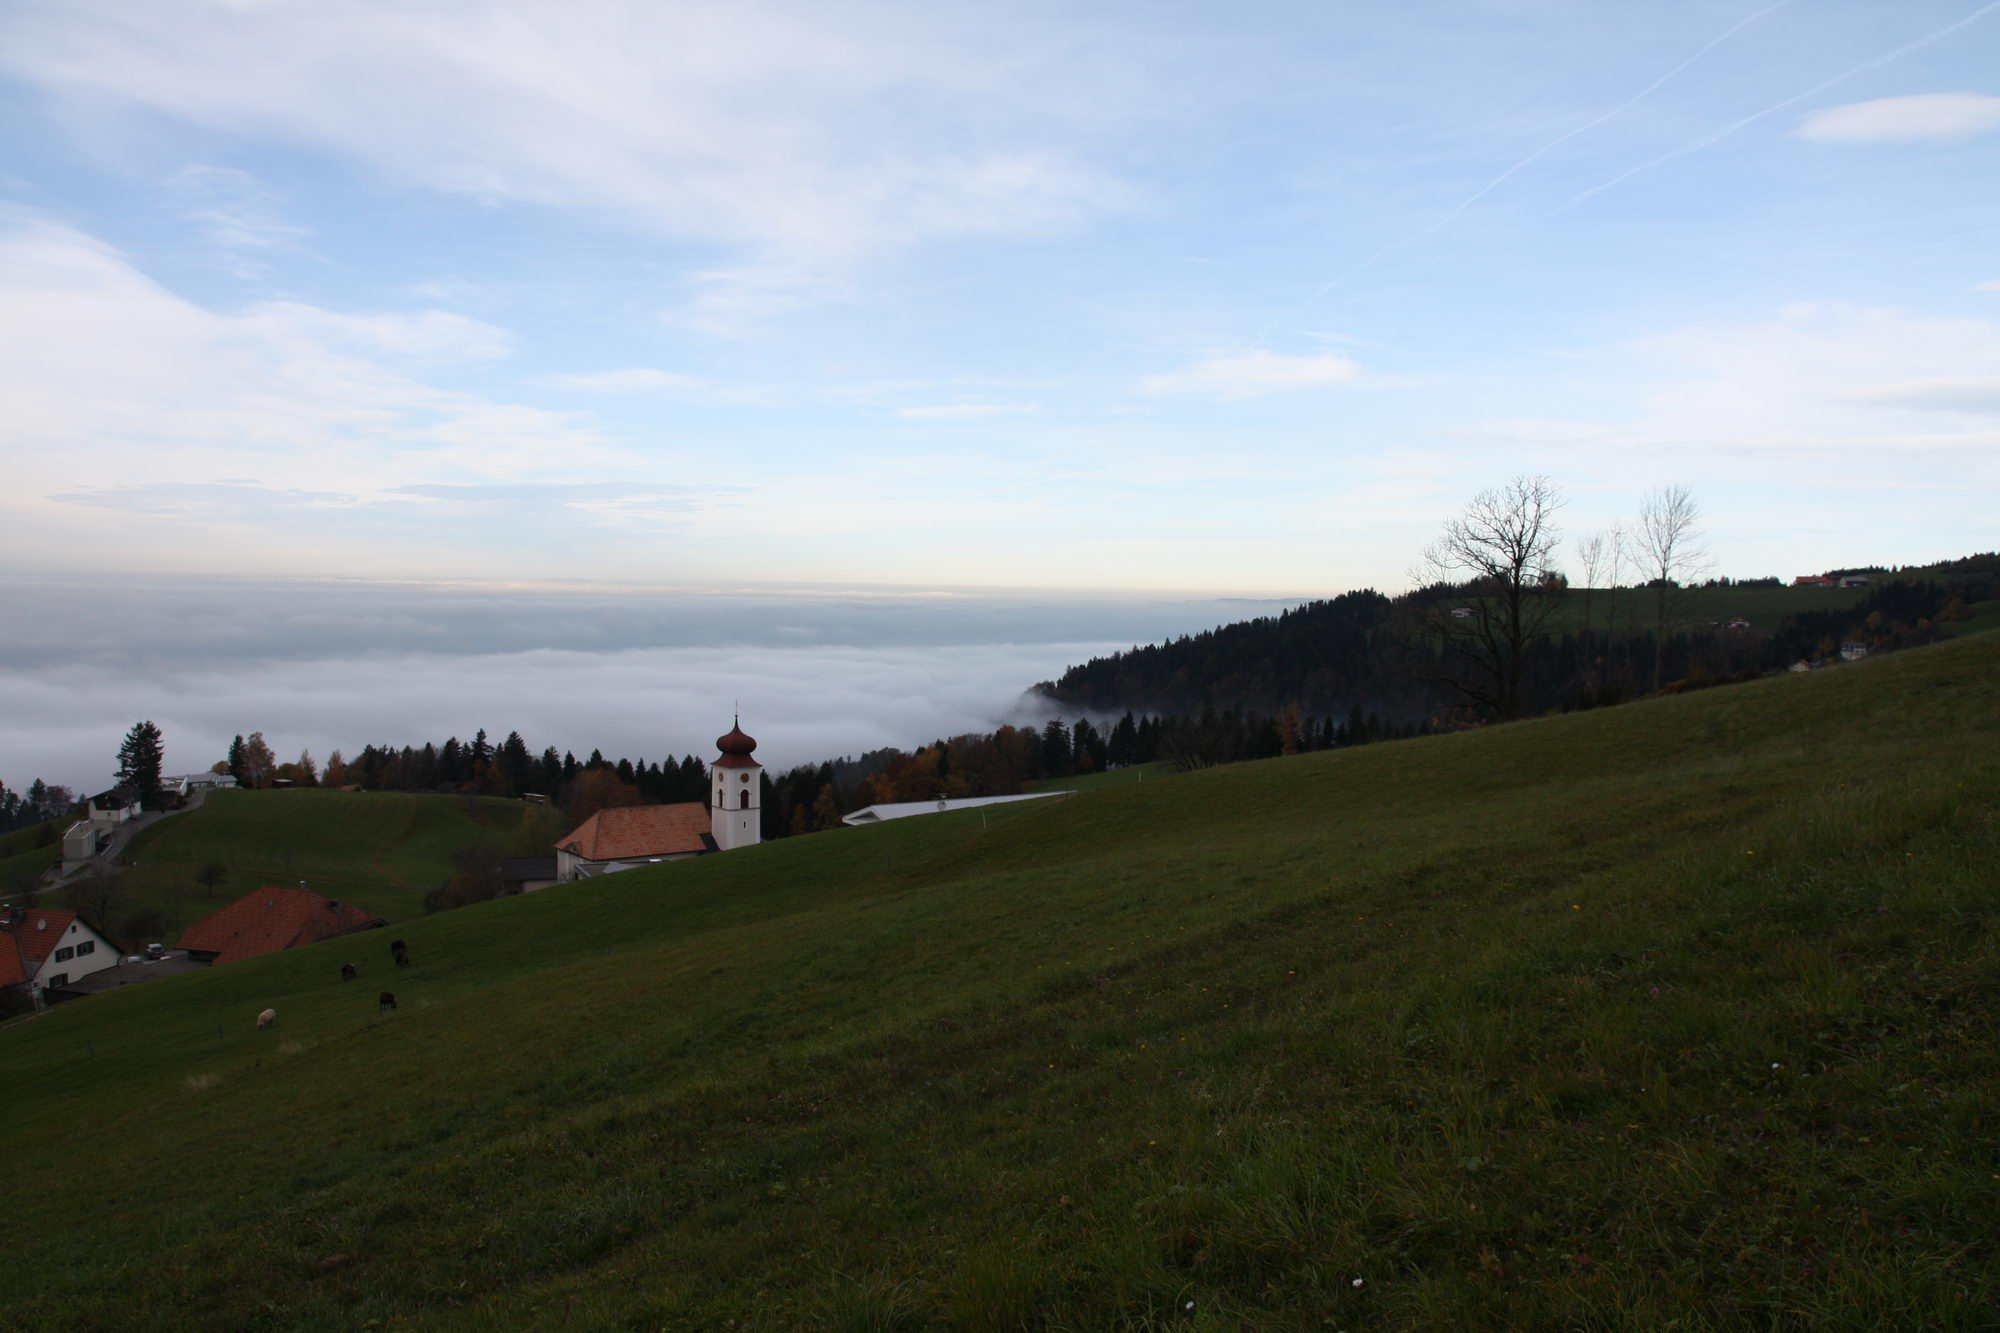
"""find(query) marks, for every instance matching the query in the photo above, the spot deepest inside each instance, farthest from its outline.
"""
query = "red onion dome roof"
(735, 742)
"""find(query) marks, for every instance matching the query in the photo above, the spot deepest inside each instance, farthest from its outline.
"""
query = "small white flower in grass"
(1355, 1283)
(1190, 1305)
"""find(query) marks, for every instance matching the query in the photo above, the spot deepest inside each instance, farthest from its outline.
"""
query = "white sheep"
(265, 1019)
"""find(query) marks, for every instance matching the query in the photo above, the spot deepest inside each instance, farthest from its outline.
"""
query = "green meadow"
(1679, 1015)
(381, 850)
(22, 863)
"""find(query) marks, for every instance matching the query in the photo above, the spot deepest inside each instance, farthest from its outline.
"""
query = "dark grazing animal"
(402, 959)
(396, 947)
(384, 1001)
(348, 972)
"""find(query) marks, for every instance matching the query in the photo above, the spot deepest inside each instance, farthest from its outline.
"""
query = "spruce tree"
(139, 760)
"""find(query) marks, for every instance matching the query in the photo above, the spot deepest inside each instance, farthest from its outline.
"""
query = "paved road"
(121, 837)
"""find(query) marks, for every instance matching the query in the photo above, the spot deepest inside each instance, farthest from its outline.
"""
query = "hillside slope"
(1682, 1014)
(383, 850)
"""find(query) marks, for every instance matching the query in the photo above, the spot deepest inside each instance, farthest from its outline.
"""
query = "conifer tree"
(139, 760)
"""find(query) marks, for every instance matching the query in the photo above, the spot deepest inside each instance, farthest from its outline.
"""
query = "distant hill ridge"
(1352, 654)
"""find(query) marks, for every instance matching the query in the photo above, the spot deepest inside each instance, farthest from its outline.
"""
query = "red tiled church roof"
(269, 919)
(38, 932)
(641, 830)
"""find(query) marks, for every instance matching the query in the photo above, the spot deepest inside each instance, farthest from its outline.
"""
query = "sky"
(1124, 296)
(829, 304)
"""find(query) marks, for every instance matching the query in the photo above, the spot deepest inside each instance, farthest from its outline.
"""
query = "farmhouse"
(113, 807)
(41, 951)
(619, 839)
(269, 919)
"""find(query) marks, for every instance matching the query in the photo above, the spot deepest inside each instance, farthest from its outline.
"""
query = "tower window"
(744, 802)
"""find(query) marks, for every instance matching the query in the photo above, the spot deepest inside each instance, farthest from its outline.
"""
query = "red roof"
(269, 919)
(641, 830)
(37, 932)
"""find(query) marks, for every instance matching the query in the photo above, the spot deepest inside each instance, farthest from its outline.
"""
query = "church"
(640, 835)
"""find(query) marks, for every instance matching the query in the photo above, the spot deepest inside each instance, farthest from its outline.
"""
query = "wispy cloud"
(225, 499)
(1975, 395)
(801, 136)
(1992, 286)
(236, 213)
(1714, 137)
(964, 411)
(639, 379)
(666, 383)
(1904, 119)
(273, 408)
(1227, 376)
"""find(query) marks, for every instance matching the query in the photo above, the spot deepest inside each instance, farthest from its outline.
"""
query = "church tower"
(736, 795)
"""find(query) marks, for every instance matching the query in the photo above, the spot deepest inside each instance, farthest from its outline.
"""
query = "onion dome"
(736, 749)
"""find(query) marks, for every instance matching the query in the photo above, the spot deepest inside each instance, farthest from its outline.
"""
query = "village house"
(42, 952)
(269, 919)
(637, 835)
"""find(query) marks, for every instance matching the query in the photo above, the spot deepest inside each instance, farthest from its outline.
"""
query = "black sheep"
(385, 1001)
(402, 959)
(348, 972)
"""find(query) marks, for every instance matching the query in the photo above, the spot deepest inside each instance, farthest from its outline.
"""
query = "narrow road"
(121, 837)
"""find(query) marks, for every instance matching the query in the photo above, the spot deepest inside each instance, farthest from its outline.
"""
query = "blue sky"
(1144, 296)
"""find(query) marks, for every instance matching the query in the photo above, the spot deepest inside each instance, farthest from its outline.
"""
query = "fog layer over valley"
(638, 672)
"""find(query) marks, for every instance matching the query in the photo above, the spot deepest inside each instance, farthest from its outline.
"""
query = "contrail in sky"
(1776, 107)
(1545, 149)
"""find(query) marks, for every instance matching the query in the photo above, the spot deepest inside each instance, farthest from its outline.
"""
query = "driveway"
(121, 837)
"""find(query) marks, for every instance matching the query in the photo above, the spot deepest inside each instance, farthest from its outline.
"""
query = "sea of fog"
(638, 672)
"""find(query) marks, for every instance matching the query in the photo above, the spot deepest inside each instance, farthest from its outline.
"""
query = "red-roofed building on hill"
(43, 951)
(269, 919)
(619, 839)
(633, 835)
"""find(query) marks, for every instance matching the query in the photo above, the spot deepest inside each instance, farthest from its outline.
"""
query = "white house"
(114, 806)
(1855, 580)
(44, 951)
(1853, 650)
(81, 841)
(875, 814)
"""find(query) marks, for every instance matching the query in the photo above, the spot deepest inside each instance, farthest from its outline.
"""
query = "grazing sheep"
(384, 1002)
(396, 947)
(402, 959)
(348, 972)
(265, 1019)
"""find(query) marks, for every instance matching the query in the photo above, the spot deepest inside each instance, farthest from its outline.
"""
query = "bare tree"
(1488, 588)
(1671, 556)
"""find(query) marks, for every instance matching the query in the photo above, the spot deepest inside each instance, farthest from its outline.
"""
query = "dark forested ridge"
(1364, 654)
(1323, 657)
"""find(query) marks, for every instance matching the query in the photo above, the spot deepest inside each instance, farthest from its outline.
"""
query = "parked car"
(155, 952)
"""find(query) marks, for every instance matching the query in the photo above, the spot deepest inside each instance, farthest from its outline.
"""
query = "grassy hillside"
(22, 863)
(1678, 1015)
(382, 850)
(1152, 772)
